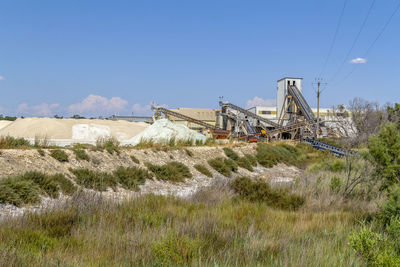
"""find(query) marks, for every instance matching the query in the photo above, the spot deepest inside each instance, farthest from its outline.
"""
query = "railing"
(249, 114)
(337, 151)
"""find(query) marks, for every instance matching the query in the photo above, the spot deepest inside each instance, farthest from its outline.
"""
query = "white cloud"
(258, 101)
(358, 60)
(2, 78)
(45, 109)
(99, 105)
(42, 110)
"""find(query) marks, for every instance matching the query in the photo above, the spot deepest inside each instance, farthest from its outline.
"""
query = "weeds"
(59, 155)
(131, 178)
(189, 153)
(110, 144)
(172, 171)
(230, 153)
(203, 169)
(261, 191)
(8, 142)
(223, 166)
(94, 180)
(134, 159)
(81, 154)
(41, 152)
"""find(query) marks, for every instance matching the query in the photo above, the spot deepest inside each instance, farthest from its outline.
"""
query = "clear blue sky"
(56, 54)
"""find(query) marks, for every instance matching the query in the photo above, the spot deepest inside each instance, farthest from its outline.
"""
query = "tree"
(385, 150)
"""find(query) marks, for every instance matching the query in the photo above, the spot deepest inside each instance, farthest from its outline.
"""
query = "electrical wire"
(354, 41)
(374, 41)
(334, 38)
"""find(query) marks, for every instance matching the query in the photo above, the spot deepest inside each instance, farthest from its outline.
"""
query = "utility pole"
(318, 82)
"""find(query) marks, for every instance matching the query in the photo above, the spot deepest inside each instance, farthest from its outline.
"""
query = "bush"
(245, 163)
(230, 153)
(189, 153)
(45, 182)
(172, 171)
(335, 184)
(134, 159)
(131, 178)
(268, 155)
(81, 154)
(41, 152)
(110, 144)
(259, 191)
(203, 169)
(391, 208)
(59, 155)
(8, 142)
(94, 180)
(232, 165)
(65, 185)
(16, 191)
(252, 159)
(219, 165)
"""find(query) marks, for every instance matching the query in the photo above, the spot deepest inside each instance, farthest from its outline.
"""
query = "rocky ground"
(16, 161)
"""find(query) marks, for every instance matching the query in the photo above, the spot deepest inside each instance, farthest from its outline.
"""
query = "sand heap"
(163, 130)
(68, 131)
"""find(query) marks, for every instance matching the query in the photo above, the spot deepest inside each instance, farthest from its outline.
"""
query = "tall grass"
(165, 231)
(9, 142)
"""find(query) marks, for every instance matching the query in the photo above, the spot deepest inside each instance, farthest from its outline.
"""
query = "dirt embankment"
(16, 161)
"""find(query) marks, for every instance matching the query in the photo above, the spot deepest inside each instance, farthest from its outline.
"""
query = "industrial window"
(265, 112)
(294, 82)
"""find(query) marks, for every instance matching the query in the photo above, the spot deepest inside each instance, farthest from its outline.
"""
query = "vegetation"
(27, 188)
(59, 155)
(81, 154)
(223, 166)
(134, 159)
(7, 118)
(131, 178)
(110, 144)
(8, 142)
(41, 152)
(165, 231)
(246, 162)
(203, 169)
(99, 181)
(172, 171)
(189, 153)
(261, 191)
(230, 153)
(269, 155)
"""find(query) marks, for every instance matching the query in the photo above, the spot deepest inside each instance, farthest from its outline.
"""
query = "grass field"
(213, 228)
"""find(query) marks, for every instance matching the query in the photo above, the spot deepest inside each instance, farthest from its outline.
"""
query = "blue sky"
(104, 57)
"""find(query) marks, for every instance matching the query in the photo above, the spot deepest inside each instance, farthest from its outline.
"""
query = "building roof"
(289, 78)
(204, 114)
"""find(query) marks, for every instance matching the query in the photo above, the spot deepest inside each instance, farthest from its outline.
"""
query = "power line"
(355, 40)
(334, 38)
(374, 41)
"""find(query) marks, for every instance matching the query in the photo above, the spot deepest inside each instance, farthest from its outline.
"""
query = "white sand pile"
(163, 130)
(68, 131)
(4, 124)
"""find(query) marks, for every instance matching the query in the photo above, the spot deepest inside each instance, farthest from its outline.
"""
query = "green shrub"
(262, 192)
(203, 169)
(65, 185)
(172, 171)
(134, 159)
(8, 142)
(59, 155)
(16, 191)
(245, 163)
(45, 182)
(81, 154)
(268, 155)
(131, 178)
(110, 144)
(230, 153)
(94, 180)
(252, 159)
(366, 243)
(176, 250)
(232, 165)
(189, 153)
(335, 184)
(391, 208)
(41, 152)
(219, 165)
